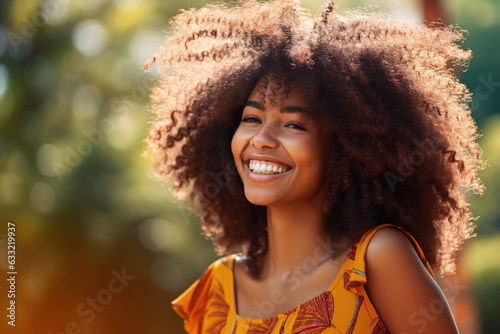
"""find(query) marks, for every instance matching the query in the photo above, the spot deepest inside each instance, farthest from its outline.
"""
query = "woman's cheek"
(237, 149)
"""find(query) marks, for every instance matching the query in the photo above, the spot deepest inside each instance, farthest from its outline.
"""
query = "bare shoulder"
(386, 241)
(391, 257)
(403, 292)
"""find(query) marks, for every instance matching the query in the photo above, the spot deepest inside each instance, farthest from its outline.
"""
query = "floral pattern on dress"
(315, 315)
(217, 310)
(352, 252)
(283, 324)
(202, 293)
(348, 284)
(266, 326)
(380, 328)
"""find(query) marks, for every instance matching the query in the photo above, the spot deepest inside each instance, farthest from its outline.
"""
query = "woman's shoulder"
(225, 262)
(384, 237)
(391, 249)
(399, 280)
(382, 242)
(215, 271)
(389, 238)
(213, 286)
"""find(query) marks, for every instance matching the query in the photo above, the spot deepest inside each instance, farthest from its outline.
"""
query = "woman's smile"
(267, 167)
(265, 172)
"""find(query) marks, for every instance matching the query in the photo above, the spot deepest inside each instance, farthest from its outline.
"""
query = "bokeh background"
(87, 208)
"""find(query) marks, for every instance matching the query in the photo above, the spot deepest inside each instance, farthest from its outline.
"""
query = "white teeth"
(263, 168)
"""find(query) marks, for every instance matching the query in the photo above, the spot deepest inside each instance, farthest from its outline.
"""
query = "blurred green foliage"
(73, 114)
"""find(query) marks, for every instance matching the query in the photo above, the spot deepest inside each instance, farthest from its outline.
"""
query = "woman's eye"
(250, 119)
(295, 125)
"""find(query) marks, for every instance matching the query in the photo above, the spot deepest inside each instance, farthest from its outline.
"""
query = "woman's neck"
(298, 239)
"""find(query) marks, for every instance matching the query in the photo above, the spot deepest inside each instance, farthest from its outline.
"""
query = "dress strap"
(356, 276)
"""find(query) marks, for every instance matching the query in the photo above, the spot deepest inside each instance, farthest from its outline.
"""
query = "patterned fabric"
(208, 305)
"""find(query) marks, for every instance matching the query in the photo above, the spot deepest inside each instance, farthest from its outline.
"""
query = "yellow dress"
(208, 305)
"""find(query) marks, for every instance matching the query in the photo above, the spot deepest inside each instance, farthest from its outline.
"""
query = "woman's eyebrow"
(283, 110)
(294, 110)
(255, 104)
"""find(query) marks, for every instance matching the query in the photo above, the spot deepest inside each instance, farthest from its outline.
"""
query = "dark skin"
(394, 270)
(295, 222)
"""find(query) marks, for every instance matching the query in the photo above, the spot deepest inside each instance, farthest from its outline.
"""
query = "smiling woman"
(324, 228)
(279, 150)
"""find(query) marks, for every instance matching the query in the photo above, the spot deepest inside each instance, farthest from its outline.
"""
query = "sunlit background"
(87, 209)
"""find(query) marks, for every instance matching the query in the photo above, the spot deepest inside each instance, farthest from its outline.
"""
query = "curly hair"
(404, 147)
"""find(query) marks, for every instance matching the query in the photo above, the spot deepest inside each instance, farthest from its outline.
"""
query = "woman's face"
(279, 150)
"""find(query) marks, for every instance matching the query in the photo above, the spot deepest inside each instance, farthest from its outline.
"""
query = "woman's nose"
(264, 137)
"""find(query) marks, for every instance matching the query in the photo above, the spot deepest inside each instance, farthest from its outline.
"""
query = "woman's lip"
(262, 177)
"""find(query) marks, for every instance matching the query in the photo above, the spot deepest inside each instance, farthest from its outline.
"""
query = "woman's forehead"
(280, 90)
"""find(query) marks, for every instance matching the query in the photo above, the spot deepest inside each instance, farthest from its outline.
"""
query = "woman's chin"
(261, 199)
